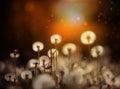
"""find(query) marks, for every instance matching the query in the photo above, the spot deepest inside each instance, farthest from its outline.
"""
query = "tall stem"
(69, 59)
(89, 56)
(56, 56)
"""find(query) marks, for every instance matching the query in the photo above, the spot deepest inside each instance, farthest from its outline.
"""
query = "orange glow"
(71, 31)
(37, 17)
(65, 29)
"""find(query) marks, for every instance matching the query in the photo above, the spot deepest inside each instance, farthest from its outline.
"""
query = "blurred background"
(23, 22)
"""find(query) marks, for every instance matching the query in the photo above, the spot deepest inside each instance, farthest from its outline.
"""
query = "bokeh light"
(37, 46)
(44, 61)
(69, 48)
(60, 22)
(15, 54)
(11, 77)
(27, 74)
(43, 81)
(55, 39)
(88, 37)
(33, 63)
(97, 51)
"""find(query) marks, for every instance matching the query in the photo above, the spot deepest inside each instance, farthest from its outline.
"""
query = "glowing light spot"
(88, 37)
(37, 46)
(69, 48)
(44, 60)
(55, 39)
(97, 51)
(26, 75)
(75, 18)
(33, 63)
(15, 54)
(10, 77)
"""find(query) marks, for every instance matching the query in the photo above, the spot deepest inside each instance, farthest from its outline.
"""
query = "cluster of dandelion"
(63, 71)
